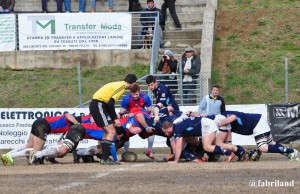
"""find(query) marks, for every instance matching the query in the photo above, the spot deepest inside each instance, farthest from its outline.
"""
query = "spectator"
(148, 19)
(134, 5)
(7, 6)
(110, 5)
(82, 5)
(67, 4)
(168, 65)
(212, 104)
(191, 65)
(171, 5)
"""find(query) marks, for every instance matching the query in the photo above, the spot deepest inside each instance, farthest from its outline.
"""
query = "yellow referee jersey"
(111, 90)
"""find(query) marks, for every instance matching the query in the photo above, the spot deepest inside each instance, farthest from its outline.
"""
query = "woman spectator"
(191, 65)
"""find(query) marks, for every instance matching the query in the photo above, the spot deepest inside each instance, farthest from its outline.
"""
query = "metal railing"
(176, 86)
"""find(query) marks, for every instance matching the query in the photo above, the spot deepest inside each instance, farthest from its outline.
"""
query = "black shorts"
(100, 113)
(41, 128)
(75, 134)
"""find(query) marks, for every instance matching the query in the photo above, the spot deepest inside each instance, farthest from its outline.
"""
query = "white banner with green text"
(74, 31)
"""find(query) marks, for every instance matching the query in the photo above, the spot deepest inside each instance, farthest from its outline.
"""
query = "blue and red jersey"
(85, 118)
(92, 131)
(58, 124)
(143, 101)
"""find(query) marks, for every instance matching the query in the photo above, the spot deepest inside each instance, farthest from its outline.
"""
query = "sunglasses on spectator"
(188, 51)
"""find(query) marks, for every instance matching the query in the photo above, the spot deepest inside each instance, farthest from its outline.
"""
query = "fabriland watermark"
(274, 183)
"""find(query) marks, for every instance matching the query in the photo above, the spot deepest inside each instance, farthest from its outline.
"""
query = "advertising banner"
(285, 122)
(15, 125)
(74, 31)
(7, 32)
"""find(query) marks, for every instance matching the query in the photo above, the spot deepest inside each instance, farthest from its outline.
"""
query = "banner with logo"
(7, 32)
(15, 125)
(74, 31)
(285, 122)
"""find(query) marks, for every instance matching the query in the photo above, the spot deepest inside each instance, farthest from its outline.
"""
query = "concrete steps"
(190, 14)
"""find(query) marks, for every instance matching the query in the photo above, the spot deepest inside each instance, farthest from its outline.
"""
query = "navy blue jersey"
(163, 95)
(158, 130)
(188, 127)
(163, 116)
(245, 122)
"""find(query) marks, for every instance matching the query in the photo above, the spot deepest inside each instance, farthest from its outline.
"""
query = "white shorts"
(208, 126)
(261, 127)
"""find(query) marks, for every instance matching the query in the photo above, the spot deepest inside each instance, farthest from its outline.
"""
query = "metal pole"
(79, 84)
(180, 82)
(286, 81)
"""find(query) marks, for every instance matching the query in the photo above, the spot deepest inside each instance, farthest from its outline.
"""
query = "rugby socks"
(218, 150)
(240, 150)
(150, 142)
(106, 149)
(17, 149)
(278, 148)
(187, 155)
(113, 151)
(50, 151)
(126, 146)
(21, 153)
(226, 152)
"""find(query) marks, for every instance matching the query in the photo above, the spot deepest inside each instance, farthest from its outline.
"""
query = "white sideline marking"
(138, 165)
(132, 166)
(120, 169)
(69, 186)
(99, 175)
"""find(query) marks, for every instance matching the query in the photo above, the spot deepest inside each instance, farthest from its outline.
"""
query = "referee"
(102, 108)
